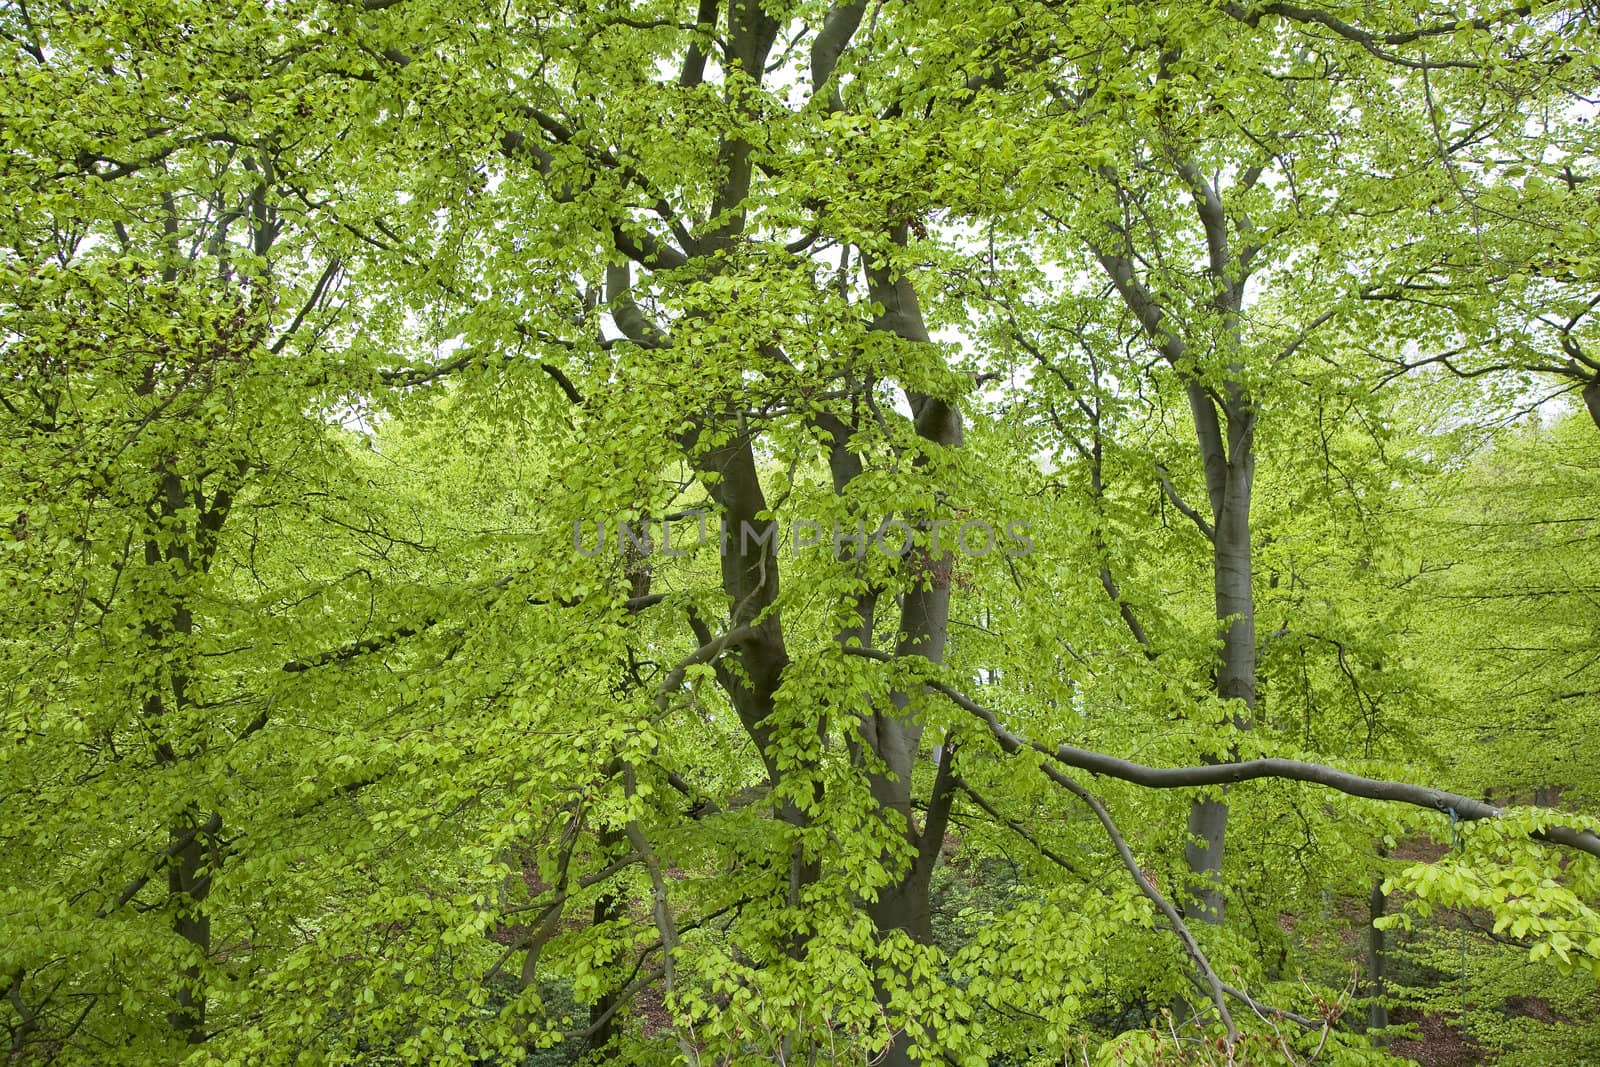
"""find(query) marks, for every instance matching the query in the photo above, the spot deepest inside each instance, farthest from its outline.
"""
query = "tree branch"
(1182, 505)
(1017, 828)
(837, 30)
(660, 906)
(940, 799)
(1371, 42)
(175, 846)
(1464, 808)
(694, 61)
(704, 654)
(1147, 887)
(630, 319)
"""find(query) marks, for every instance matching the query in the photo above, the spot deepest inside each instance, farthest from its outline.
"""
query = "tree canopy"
(754, 531)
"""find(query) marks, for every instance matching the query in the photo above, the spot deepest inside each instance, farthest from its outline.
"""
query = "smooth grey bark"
(1457, 805)
(1224, 424)
(750, 581)
(1234, 599)
(837, 30)
(1591, 400)
(892, 733)
(1377, 958)
(1225, 442)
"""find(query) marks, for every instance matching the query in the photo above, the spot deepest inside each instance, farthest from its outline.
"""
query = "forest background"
(329, 327)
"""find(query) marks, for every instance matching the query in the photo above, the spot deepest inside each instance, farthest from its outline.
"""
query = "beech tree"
(554, 532)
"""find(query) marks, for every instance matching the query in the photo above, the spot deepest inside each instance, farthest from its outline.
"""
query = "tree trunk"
(192, 855)
(608, 907)
(188, 883)
(894, 736)
(1591, 399)
(1377, 1010)
(1230, 479)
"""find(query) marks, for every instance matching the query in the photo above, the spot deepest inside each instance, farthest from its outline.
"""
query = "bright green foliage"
(338, 334)
(1503, 582)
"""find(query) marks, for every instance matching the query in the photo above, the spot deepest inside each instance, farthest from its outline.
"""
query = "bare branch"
(317, 293)
(1294, 346)
(1373, 42)
(1268, 1011)
(1017, 828)
(1463, 808)
(1183, 507)
(1147, 887)
(706, 653)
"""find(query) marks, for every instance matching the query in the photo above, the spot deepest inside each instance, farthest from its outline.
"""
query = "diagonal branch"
(318, 291)
(706, 653)
(1124, 609)
(1462, 808)
(637, 243)
(173, 848)
(694, 61)
(1147, 887)
(365, 646)
(1294, 346)
(1017, 828)
(1182, 505)
(1267, 1010)
(837, 30)
(940, 800)
(1372, 42)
